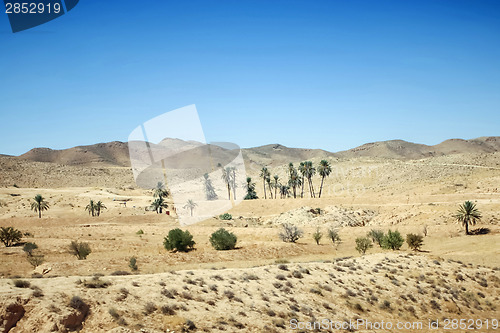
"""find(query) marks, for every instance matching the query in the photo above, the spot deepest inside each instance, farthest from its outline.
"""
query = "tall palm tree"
(264, 174)
(310, 171)
(294, 180)
(284, 191)
(233, 180)
(190, 204)
(158, 205)
(468, 214)
(227, 178)
(276, 185)
(302, 170)
(269, 186)
(251, 194)
(39, 204)
(324, 170)
(209, 188)
(160, 191)
(98, 207)
(91, 207)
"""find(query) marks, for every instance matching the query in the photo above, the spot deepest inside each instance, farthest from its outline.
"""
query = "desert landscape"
(263, 284)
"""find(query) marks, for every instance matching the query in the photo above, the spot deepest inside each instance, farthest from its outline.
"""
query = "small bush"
(376, 236)
(393, 240)
(223, 240)
(178, 240)
(114, 313)
(29, 248)
(149, 308)
(21, 283)
(317, 236)
(35, 260)
(133, 264)
(120, 273)
(9, 236)
(77, 303)
(334, 236)
(363, 244)
(80, 250)
(226, 217)
(140, 232)
(297, 275)
(96, 283)
(290, 233)
(415, 242)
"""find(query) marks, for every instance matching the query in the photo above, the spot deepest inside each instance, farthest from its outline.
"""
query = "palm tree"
(91, 208)
(302, 170)
(324, 170)
(158, 205)
(232, 171)
(284, 191)
(251, 194)
(160, 191)
(294, 181)
(309, 172)
(39, 204)
(468, 214)
(98, 207)
(190, 204)
(264, 174)
(209, 188)
(276, 185)
(226, 177)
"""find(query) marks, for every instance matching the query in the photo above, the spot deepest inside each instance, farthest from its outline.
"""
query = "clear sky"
(314, 74)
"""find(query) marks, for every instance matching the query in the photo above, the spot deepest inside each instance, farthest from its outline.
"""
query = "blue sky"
(314, 74)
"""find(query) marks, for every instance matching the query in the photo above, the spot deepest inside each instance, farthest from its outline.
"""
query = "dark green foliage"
(226, 217)
(363, 244)
(468, 214)
(393, 240)
(376, 236)
(80, 250)
(9, 236)
(133, 264)
(178, 240)
(334, 235)
(317, 235)
(29, 248)
(251, 194)
(290, 233)
(223, 240)
(415, 242)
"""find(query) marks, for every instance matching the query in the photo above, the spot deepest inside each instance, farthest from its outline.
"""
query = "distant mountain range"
(117, 153)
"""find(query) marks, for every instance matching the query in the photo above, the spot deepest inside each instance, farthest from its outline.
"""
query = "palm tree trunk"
(39, 213)
(275, 191)
(265, 194)
(321, 187)
(466, 227)
(312, 188)
(229, 191)
(302, 193)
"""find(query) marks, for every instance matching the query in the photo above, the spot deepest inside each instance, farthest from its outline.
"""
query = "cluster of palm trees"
(160, 193)
(95, 208)
(296, 180)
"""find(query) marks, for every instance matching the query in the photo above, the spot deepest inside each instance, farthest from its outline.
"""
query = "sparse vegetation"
(21, 283)
(317, 235)
(178, 240)
(133, 264)
(223, 240)
(226, 217)
(334, 236)
(467, 215)
(290, 233)
(29, 247)
(35, 260)
(39, 204)
(80, 249)
(376, 236)
(10, 236)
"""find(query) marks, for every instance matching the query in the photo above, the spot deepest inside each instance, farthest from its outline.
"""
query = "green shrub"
(140, 232)
(223, 240)
(363, 244)
(133, 264)
(317, 235)
(226, 216)
(29, 248)
(80, 250)
(9, 236)
(35, 260)
(393, 240)
(179, 240)
(22, 283)
(377, 236)
(415, 242)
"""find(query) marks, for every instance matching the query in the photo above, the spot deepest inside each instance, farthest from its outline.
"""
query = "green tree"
(377, 236)
(310, 172)
(39, 204)
(317, 235)
(209, 188)
(226, 177)
(334, 235)
(415, 242)
(158, 205)
(303, 171)
(324, 170)
(160, 191)
(264, 174)
(178, 240)
(99, 206)
(132, 263)
(276, 185)
(80, 250)
(294, 181)
(29, 248)
(284, 191)
(467, 214)
(363, 244)
(91, 207)
(393, 240)
(190, 204)
(251, 194)
(223, 240)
